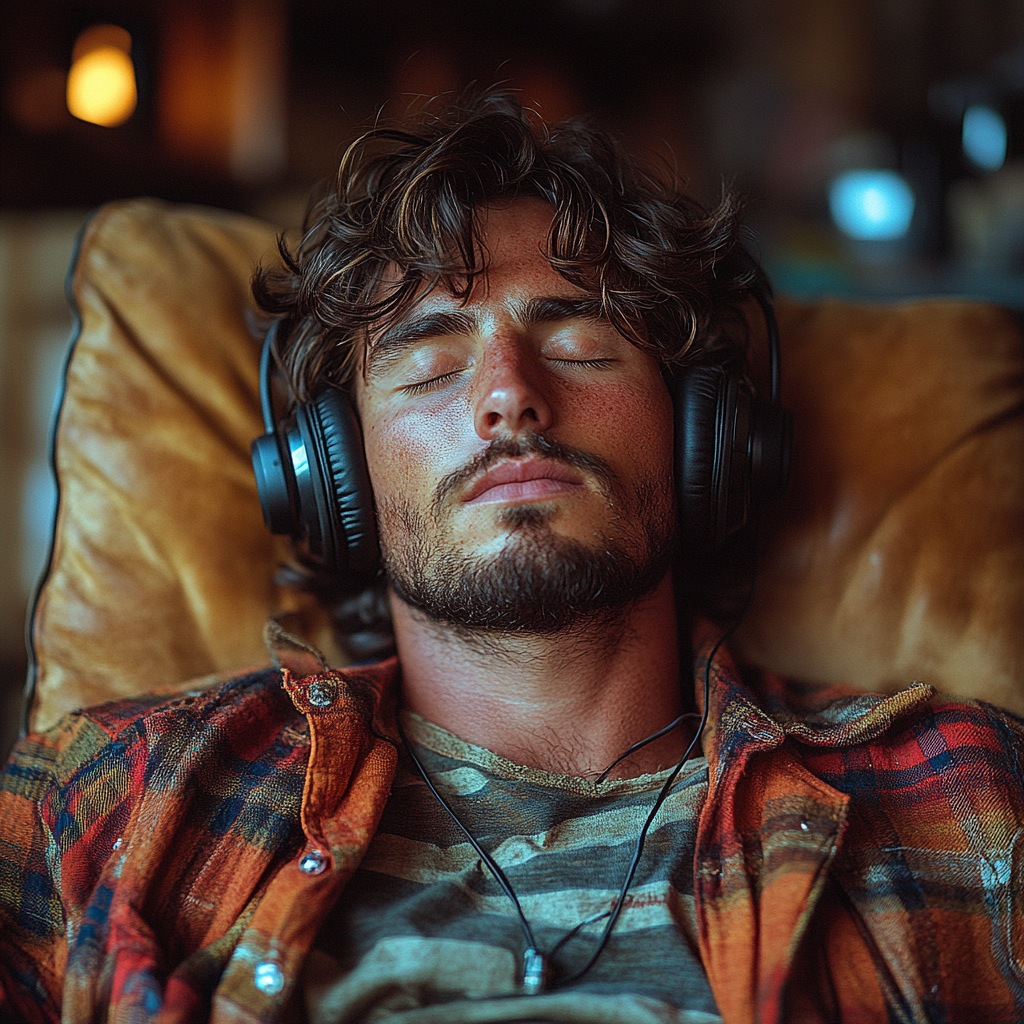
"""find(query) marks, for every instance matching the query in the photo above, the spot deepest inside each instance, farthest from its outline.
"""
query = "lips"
(523, 480)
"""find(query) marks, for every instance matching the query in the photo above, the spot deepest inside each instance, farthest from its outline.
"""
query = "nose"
(511, 397)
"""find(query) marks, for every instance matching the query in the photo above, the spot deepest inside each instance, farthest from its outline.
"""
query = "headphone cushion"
(699, 399)
(346, 480)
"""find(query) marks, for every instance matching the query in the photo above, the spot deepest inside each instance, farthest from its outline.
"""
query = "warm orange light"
(101, 82)
(97, 36)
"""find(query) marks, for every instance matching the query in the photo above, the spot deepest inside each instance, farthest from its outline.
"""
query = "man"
(497, 825)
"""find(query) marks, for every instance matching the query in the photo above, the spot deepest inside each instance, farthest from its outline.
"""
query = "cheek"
(407, 454)
(632, 422)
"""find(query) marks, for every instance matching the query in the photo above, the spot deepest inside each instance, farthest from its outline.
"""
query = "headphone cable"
(535, 962)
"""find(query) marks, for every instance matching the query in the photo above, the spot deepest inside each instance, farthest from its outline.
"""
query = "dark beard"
(539, 583)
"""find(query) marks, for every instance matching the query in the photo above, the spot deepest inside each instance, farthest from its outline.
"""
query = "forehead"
(519, 284)
(514, 237)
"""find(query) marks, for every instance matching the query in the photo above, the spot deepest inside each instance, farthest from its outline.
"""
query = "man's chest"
(425, 927)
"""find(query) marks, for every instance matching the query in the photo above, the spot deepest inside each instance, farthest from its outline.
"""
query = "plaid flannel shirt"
(859, 858)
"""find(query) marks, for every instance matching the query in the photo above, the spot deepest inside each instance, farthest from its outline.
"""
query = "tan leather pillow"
(161, 570)
(897, 554)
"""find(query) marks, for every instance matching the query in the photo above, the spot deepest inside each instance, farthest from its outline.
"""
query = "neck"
(569, 703)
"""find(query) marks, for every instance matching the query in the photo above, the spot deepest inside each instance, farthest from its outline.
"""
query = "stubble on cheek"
(403, 534)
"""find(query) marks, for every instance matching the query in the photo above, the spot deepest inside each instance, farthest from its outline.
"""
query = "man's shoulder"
(214, 696)
(917, 747)
(946, 733)
(969, 743)
(962, 722)
(844, 717)
(125, 729)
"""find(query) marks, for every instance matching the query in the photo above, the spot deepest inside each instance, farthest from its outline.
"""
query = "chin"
(537, 582)
(528, 515)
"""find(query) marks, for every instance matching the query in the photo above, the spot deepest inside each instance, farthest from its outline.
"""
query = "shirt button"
(313, 863)
(321, 694)
(268, 977)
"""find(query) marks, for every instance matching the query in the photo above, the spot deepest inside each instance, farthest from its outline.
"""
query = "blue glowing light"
(872, 205)
(985, 137)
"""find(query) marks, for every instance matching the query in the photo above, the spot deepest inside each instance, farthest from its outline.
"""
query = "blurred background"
(879, 143)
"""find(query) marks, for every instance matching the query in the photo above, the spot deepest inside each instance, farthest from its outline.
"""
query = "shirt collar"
(752, 710)
(759, 710)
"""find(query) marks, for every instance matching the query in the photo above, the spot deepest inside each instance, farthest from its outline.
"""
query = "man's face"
(519, 448)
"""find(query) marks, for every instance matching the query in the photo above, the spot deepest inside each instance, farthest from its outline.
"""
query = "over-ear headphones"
(732, 454)
(733, 448)
(312, 478)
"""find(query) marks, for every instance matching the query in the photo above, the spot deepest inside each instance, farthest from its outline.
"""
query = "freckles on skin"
(621, 418)
(409, 451)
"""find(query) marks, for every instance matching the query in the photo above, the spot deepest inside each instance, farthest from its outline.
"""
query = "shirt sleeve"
(33, 948)
(63, 801)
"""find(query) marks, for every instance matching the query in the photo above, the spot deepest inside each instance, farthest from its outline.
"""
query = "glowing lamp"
(984, 137)
(101, 83)
(872, 205)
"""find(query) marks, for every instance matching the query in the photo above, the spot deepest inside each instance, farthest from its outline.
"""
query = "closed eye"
(435, 382)
(598, 364)
(428, 385)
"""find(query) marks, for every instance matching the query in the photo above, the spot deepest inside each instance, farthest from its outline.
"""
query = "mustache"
(516, 447)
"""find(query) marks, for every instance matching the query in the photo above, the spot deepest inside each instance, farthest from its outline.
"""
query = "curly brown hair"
(671, 275)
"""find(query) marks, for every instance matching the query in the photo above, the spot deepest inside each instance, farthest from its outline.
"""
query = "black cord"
(638, 852)
(266, 388)
(640, 744)
(764, 299)
(613, 914)
(662, 796)
(484, 855)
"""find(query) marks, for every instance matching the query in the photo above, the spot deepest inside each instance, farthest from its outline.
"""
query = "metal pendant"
(535, 972)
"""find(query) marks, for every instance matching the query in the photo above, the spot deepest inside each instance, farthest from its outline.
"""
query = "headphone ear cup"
(712, 435)
(772, 450)
(732, 454)
(698, 395)
(346, 525)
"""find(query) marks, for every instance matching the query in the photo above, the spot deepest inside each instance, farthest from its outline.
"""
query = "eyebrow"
(551, 310)
(387, 348)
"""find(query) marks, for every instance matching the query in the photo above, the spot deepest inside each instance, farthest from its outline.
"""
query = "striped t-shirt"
(423, 932)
